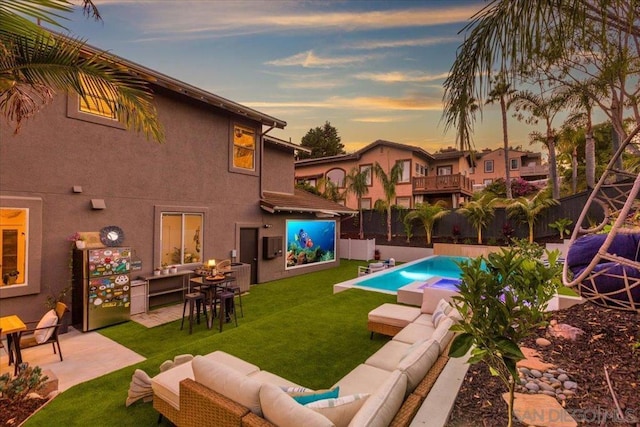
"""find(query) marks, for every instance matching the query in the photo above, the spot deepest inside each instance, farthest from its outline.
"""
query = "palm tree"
(502, 93)
(329, 190)
(517, 35)
(528, 210)
(581, 95)
(36, 62)
(542, 107)
(479, 212)
(569, 138)
(427, 214)
(388, 183)
(356, 182)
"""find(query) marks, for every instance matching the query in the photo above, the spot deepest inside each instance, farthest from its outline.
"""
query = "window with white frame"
(487, 181)
(181, 237)
(514, 164)
(406, 171)
(336, 176)
(405, 202)
(365, 203)
(369, 170)
(445, 170)
(488, 166)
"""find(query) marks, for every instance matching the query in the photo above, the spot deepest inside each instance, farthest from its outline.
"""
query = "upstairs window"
(96, 102)
(367, 168)
(244, 148)
(513, 164)
(488, 166)
(406, 171)
(445, 170)
(336, 176)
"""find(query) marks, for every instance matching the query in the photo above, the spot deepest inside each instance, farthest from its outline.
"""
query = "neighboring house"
(419, 181)
(219, 187)
(522, 164)
(449, 175)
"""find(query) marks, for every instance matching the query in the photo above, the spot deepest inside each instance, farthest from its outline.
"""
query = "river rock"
(536, 373)
(563, 377)
(570, 385)
(543, 342)
(532, 386)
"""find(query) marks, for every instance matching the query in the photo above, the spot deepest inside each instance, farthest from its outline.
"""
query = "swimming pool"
(422, 270)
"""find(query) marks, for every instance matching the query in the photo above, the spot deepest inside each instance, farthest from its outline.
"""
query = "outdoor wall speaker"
(98, 204)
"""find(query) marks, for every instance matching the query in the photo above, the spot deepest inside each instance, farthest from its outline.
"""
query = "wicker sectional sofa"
(387, 389)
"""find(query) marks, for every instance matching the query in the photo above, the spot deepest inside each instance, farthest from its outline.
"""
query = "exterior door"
(249, 250)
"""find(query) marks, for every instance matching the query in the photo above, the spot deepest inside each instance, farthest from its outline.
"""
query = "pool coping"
(353, 283)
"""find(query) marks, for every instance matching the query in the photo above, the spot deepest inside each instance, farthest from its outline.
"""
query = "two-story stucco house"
(219, 187)
(419, 182)
(490, 165)
(449, 175)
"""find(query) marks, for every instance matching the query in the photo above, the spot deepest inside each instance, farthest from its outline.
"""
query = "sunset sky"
(373, 69)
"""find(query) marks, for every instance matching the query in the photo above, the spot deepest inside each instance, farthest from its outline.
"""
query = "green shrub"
(502, 300)
(28, 380)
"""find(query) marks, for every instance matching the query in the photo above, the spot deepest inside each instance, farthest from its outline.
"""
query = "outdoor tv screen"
(310, 242)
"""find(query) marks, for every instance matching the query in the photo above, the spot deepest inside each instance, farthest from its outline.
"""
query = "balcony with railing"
(442, 184)
(534, 170)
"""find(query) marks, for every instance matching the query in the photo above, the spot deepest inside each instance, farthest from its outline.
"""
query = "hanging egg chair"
(603, 261)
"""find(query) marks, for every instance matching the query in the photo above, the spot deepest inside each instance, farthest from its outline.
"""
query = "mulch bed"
(14, 413)
(610, 339)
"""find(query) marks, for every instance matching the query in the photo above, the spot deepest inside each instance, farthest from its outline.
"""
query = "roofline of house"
(159, 79)
(357, 154)
(277, 141)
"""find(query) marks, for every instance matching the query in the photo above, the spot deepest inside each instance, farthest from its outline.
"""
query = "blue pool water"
(397, 277)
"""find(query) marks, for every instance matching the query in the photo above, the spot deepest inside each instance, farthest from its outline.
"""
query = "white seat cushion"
(49, 319)
(232, 361)
(389, 355)
(414, 332)
(417, 363)
(339, 410)
(442, 334)
(380, 408)
(228, 382)
(266, 377)
(424, 319)
(280, 409)
(166, 385)
(394, 314)
(432, 297)
(362, 379)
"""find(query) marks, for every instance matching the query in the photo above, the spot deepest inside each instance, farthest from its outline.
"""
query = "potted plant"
(157, 271)
(173, 269)
(10, 278)
(165, 268)
(78, 240)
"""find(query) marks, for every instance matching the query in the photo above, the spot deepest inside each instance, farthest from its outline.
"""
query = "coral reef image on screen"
(310, 242)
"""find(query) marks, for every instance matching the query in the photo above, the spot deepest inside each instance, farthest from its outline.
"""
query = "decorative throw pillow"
(442, 309)
(228, 382)
(294, 389)
(340, 410)
(312, 396)
(280, 409)
(48, 321)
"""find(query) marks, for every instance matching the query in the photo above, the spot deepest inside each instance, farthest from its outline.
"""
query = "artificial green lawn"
(295, 327)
